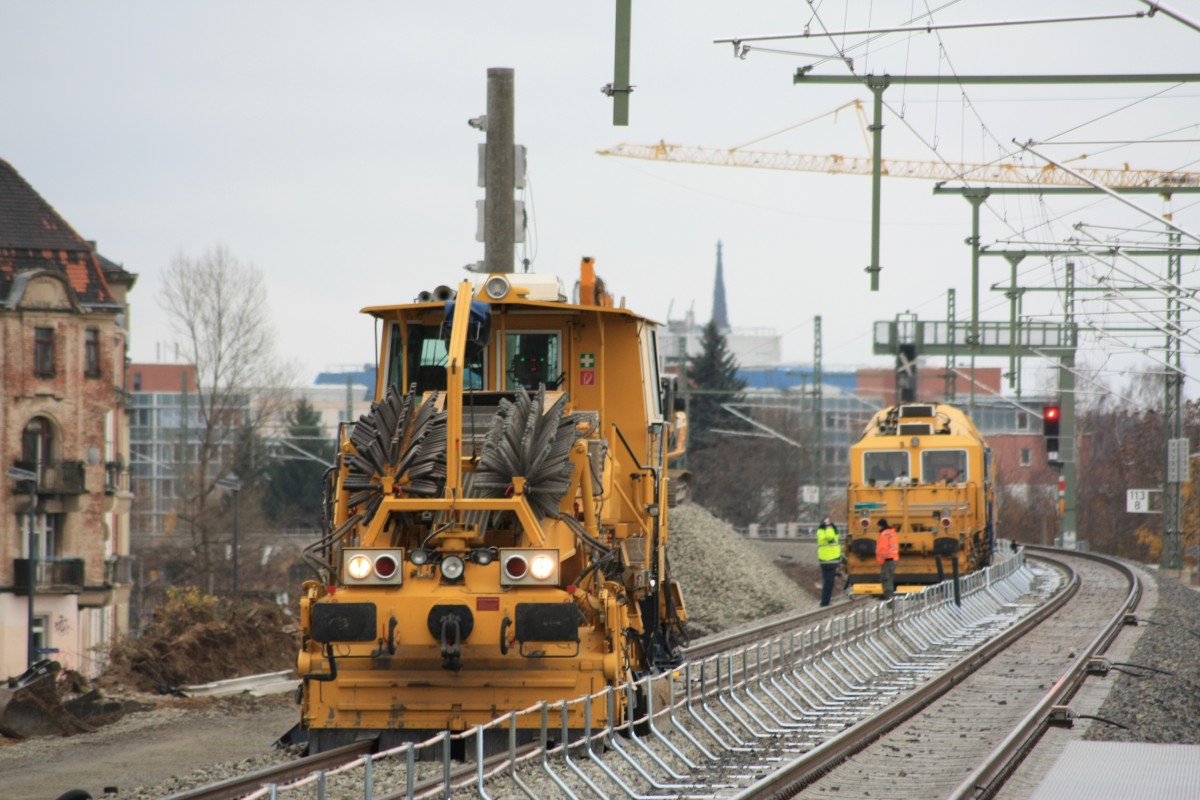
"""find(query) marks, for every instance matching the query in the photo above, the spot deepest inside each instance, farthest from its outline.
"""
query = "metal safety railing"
(806, 685)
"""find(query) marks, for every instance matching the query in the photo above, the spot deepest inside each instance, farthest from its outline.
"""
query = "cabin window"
(944, 466)
(395, 360)
(533, 359)
(650, 372)
(884, 467)
(427, 354)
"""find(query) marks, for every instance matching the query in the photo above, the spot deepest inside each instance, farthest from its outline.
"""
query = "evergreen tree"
(292, 495)
(713, 380)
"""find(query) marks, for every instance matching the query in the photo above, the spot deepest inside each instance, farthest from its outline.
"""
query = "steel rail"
(281, 773)
(990, 776)
(462, 775)
(720, 642)
(792, 778)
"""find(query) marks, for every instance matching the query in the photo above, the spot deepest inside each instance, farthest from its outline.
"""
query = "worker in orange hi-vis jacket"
(887, 553)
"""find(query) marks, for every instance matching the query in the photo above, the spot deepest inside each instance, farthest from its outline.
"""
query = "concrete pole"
(498, 226)
(951, 359)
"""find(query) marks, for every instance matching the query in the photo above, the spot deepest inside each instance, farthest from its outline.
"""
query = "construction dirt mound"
(193, 639)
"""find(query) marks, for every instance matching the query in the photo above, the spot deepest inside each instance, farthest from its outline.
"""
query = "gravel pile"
(726, 581)
(1158, 707)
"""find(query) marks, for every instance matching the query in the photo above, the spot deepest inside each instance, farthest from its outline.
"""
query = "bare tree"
(218, 308)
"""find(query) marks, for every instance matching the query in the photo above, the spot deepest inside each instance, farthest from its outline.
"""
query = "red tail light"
(385, 566)
(516, 567)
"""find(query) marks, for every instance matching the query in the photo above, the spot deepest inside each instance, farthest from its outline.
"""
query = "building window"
(40, 644)
(43, 352)
(1026, 457)
(137, 381)
(91, 353)
(36, 441)
(1022, 420)
(51, 545)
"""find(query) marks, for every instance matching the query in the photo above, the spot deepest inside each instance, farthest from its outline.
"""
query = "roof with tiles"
(114, 272)
(34, 236)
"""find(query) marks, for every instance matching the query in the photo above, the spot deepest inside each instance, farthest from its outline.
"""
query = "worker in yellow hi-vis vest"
(829, 553)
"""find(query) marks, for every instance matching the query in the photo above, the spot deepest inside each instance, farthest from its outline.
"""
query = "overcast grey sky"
(328, 144)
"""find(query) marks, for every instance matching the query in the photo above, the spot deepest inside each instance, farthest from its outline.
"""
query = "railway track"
(963, 743)
(282, 773)
(757, 714)
(350, 757)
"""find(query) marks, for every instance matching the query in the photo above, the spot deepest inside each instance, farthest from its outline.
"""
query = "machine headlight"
(419, 556)
(496, 287)
(452, 568)
(541, 567)
(527, 567)
(358, 567)
(482, 556)
(368, 566)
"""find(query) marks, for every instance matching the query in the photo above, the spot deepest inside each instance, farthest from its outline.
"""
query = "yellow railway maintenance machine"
(496, 526)
(925, 469)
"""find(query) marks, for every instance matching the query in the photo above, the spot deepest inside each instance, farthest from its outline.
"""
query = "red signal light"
(1050, 419)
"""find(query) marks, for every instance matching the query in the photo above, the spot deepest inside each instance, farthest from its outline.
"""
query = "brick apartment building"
(63, 339)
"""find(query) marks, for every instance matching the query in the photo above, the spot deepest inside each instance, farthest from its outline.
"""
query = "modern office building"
(166, 428)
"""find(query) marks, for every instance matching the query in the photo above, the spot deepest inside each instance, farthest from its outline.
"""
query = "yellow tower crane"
(1000, 172)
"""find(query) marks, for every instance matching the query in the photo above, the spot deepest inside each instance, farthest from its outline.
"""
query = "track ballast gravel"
(727, 583)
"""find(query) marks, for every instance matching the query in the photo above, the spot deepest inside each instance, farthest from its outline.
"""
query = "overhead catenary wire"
(1113, 194)
(1047, 223)
(929, 28)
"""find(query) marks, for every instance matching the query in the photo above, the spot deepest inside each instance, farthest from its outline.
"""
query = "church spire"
(720, 314)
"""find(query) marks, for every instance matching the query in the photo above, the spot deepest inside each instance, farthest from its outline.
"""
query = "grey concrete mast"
(499, 237)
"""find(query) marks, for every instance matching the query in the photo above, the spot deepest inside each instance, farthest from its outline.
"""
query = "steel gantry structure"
(1015, 338)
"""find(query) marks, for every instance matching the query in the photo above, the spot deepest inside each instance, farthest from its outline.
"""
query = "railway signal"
(1050, 417)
